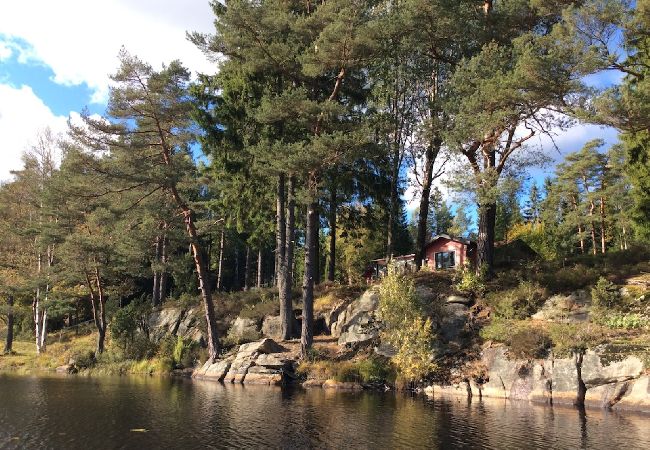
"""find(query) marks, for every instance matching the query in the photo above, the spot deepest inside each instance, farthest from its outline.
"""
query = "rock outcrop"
(356, 322)
(588, 379)
(260, 362)
(176, 321)
(565, 308)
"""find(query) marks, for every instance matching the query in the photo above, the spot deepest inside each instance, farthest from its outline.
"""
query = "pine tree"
(148, 131)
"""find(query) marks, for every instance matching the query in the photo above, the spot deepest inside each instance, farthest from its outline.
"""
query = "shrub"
(569, 338)
(629, 321)
(469, 282)
(376, 370)
(570, 278)
(404, 327)
(529, 343)
(605, 295)
(519, 302)
(498, 330)
(85, 359)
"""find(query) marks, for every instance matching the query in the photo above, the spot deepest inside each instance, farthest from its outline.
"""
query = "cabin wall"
(445, 245)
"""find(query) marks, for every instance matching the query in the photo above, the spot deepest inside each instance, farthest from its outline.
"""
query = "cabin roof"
(450, 238)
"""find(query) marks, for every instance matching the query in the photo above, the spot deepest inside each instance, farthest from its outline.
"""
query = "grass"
(66, 345)
(371, 369)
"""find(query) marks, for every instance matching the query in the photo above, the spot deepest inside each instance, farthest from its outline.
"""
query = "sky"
(56, 57)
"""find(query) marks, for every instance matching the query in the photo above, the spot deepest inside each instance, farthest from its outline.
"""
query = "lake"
(158, 412)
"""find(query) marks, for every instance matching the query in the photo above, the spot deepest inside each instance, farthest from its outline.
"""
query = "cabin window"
(445, 260)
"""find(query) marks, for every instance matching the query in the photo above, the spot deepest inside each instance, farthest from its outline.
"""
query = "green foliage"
(370, 370)
(529, 343)
(184, 352)
(569, 338)
(404, 326)
(469, 282)
(498, 330)
(519, 302)
(566, 279)
(85, 359)
(626, 321)
(605, 295)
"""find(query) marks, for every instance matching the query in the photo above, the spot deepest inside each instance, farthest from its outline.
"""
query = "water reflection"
(77, 412)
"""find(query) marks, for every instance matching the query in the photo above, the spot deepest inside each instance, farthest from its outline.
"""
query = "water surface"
(150, 412)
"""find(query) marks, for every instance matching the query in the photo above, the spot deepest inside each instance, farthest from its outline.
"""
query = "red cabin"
(446, 252)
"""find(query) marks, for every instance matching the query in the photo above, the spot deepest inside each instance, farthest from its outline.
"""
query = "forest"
(333, 133)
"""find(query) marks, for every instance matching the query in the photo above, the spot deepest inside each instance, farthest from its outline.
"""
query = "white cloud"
(562, 143)
(79, 39)
(22, 115)
(5, 51)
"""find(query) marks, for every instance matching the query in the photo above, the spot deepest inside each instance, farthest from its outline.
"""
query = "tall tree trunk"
(392, 214)
(101, 319)
(248, 268)
(592, 207)
(202, 274)
(422, 233)
(10, 325)
(307, 335)
(280, 231)
(603, 229)
(220, 265)
(331, 268)
(485, 247)
(156, 271)
(260, 268)
(582, 240)
(164, 276)
(286, 305)
(317, 254)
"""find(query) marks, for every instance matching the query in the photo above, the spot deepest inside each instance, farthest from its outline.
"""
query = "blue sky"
(56, 62)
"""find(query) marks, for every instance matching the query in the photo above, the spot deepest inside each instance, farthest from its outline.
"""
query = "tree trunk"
(10, 325)
(307, 336)
(100, 320)
(485, 248)
(592, 206)
(317, 254)
(260, 268)
(422, 232)
(286, 305)
(392, 213)
(280, 230)
(164, 277)
(248, 268)
(582, 240)
(603, 230)
(220, 268)
(202, 274)
(156, 271)
(331, 268)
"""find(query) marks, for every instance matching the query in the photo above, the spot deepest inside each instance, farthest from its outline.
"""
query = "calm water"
(96, 413)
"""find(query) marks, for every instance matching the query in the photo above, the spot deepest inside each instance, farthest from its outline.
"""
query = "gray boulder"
(565, 308)
(357, 322)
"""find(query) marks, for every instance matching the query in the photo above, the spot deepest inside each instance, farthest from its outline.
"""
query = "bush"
(568, 279)
(376, 370)
(629, 321)
(404, 327)
(605, 295)
(569, 338)
(529, 343)
(371, 370)
(498, 330)
(469, 282)
(519, 302)
(84, 360)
